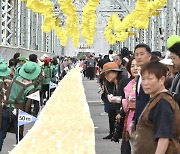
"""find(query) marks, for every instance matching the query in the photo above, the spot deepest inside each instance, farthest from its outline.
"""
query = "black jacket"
(118, 90)
(175, 88)
(142, 100)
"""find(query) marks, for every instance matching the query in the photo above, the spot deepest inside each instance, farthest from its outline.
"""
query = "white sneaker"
(104, 114)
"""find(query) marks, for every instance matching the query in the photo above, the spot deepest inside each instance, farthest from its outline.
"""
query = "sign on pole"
(34, 96)
(25, 118)
(52, 85)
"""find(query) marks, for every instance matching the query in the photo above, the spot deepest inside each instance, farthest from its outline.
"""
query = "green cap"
(22, 58)
(30, 70)
(4, 70)
(173, 39)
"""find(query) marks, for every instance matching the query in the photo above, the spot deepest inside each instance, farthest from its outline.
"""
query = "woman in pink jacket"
(130, 98)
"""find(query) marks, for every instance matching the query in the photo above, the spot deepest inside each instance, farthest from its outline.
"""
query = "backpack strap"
(28, 102)
(48, 70)
(9, 90)
(23, 89)
(39, 80)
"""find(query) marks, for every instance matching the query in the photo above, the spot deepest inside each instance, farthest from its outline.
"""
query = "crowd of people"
(92, 65)
(141, 96)
(22, 77)
(140, 92)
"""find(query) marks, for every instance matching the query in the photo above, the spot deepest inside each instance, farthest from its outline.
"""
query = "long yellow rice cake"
(65, 125)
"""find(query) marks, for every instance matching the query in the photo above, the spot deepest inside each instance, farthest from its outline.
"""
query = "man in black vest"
(173, 44)
(142, 56)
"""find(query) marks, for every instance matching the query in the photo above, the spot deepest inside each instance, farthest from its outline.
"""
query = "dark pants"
(45, 88)
(51, 91)
(84, 73)
(36, 108)
(106, 102)
(125, 147)
(88, 72)
(91, 73)
(37, 105)
(6, 122)
(112, 118)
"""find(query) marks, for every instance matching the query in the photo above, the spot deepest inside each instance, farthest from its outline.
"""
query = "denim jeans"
(6, 121)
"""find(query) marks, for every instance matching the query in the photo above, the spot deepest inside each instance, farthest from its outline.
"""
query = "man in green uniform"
(21, 87)
(4, 72)
(22, 60)
(47, 71)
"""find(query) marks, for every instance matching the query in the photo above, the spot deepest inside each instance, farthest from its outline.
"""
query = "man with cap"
(171, 70)
(47, 77)
(173, 45)
(21, 61)
(4, 72)
(21, 87)
(38, 85)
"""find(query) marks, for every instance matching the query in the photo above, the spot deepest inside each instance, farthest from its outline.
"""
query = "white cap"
(45, 55)
(40, 62)
(166, 61)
